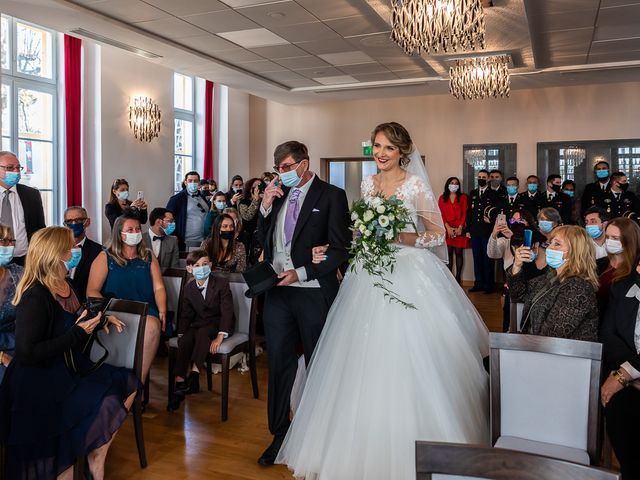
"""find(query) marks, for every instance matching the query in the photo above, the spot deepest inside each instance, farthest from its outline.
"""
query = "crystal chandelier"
(473, 78)
(476, 157)
(574, 156)
(434, 25)
(144, 119)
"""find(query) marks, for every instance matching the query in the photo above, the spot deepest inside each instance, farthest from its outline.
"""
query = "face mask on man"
(532, 187)
(495, 182)
(290, 178)
(171, 227)
(201, 272)
(482, 182)
(556, 188)
(11, 178)
(594, 231)
(76, 228)
(221, 205)
(623, 186)
(602, 174)
(512, 190)
(570, 193)
(192, 187)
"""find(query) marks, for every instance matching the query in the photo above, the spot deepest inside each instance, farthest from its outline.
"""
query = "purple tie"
(292, 216)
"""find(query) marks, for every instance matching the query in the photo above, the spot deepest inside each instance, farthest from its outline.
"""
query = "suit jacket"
(177, 204)
(562, 203)
(628, 202)
(592, 196)
(33, 210)
(476, 212)
(532, 205)
(90, 250)
(506, 207)
(215, 310)
(618, 327)
(323, 219)
(169, 254)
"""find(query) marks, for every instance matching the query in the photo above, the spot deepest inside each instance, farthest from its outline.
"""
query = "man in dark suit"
(20, 206)
(495, 183)
(531, 200)
(619, 201)
(77, 220)
(482, 200)
(293, 219)
(594, 192)
(189, 207)
(512, 201)
(554, 198)
(159, 238)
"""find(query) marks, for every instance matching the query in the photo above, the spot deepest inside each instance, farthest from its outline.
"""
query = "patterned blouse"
(552, 308)
(236, 264)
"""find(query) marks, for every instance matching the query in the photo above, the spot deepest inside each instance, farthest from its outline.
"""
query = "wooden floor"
(194, 444)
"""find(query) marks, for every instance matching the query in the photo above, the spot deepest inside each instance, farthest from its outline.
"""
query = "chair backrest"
(515, 317)
(125, 348)
(174, 282)
(442, 460)
(192, 245)
(545, 389)
(244, 308)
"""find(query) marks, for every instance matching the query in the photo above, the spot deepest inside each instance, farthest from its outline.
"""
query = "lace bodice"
(422, 205)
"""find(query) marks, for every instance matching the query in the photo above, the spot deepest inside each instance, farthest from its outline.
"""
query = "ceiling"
(314, 50)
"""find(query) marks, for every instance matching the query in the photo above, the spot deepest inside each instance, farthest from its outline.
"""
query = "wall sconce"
(144, 119)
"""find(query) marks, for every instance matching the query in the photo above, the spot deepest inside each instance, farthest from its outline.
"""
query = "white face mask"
(453, 188)
(612, 246)
(132, 239)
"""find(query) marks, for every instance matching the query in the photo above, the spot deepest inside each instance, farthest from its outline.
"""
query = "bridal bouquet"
(377, 222)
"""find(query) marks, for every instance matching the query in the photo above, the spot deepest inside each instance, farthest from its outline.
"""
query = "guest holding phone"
(234, 195)
(119, 200)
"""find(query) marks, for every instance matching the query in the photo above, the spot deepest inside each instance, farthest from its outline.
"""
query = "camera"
(94, 306)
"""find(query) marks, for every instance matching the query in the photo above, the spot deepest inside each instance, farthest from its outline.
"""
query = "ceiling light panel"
(364, 69)
(278, 14)
(307, 32)
(346, 58)
(337, 80)
(257, 37)
(279, 51)
(225, 21)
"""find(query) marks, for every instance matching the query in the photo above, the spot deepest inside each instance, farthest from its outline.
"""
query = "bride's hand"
(318, 253)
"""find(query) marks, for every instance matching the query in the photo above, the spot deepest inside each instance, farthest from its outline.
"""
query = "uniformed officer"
(531, 200)
(619, 201)
(554, 198)
(593, 192)
(495, 183)
(481, 199)
(512, 201)
(569, 189)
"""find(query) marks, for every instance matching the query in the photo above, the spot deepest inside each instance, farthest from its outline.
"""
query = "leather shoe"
(475, 289)
(269, 455)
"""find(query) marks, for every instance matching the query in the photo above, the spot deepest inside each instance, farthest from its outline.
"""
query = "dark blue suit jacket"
(178, 206)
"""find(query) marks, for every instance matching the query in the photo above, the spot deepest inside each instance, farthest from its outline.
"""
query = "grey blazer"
(168, 256)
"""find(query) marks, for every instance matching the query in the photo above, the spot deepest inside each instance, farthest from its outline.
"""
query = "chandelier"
(473, 78)
(574, 156)
(144, 119)
(475, 157)
(434, 25)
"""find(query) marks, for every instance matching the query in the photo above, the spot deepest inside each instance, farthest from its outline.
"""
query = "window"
(29, 106)
(487, 157)
(183, 101)
(628, 161)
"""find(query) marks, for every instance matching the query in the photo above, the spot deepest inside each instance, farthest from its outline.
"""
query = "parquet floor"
(194, 444)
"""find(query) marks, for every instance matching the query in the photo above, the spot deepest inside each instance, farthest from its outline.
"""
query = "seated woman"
(202, 325)
(218, 204)
(225, 252)
(10, 275)
(548, 219)
(119, 200)
(561, 303)
(620, 393)
(50, 415)
(128, 270)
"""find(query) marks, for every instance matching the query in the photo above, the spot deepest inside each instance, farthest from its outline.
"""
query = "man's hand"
(287, 278)
(272, 192)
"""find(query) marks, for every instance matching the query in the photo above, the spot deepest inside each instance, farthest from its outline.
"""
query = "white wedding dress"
(383, 376)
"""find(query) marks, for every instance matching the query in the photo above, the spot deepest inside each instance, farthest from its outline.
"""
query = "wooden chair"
(125, 350)
(436, 460)
(545, 396)
(243, 340)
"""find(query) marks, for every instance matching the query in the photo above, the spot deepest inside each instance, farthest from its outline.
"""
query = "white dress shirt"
(282, 253)
(19, 228)
(601, 251)
(155, 246)
(80, 244)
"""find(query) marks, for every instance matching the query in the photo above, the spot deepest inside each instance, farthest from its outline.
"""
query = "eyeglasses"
(71, 221)
(12, 168)
(6, 242)
(285, 168)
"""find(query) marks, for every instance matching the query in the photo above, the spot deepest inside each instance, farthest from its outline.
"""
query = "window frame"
(188, 116)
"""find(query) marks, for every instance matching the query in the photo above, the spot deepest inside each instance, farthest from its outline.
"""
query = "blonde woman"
(10, 274)
(128, 270)
(52, 416)
(563, 302)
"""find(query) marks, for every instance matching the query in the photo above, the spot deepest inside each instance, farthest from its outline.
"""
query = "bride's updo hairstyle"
(398, 136)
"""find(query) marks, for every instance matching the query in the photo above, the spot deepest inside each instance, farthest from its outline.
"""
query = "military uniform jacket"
(507, 205)
(475, 213)
(618, 205)
(562, 203)
(531, 203)
(593, 196)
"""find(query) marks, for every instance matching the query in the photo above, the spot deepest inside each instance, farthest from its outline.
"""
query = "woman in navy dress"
(10, 274)
(50, 416)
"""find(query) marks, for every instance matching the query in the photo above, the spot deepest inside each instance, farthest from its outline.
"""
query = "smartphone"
(276, 183)
(528, 238)
(140, 195)
(501, 219)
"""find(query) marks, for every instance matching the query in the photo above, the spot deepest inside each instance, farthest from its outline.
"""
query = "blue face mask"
(202, 272)
(545, 226)
(532, 187)
(192, 187)
(594, 231)
(602, 174)
(512, 190)
(11, 178)
(76, 255)
(171, 227)
(76, 228)
(221, 205)
(571, 193)
(290, 178)
(554, 258)
(6, 255)
(123, 195)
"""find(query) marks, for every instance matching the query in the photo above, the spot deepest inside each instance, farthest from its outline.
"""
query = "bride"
(383, 376)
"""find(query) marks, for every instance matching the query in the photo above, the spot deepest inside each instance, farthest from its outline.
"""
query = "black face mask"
(226, 235)
(624, 186)
(482, 182)
(556, 188)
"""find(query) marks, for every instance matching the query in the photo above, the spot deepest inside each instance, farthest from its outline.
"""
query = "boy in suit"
(206, 319)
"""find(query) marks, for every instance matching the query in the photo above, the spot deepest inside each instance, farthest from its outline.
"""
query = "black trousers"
(623, 426)
(291, 315)
(193, 347)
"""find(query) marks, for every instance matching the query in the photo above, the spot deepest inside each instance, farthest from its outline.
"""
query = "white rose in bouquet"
(368, 216)
(381, 209)
(383, 221)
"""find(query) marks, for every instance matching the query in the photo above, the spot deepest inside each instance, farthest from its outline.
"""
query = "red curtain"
(73, 117)
(208, 130)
